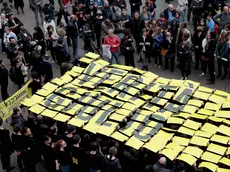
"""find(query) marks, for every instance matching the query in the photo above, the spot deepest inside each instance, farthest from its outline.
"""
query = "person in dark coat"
(36, 58)
(209, 54)
(97, 27)
(126, 45)
(19, 4)
(111, 162)
(169, 12)
(39, 37)
(146, 43)
(48, 9)
(160, 166)
(17, 145)
(28, 150)
(135, 6)
(35, 85)
(46, 69)
(3, 81)
(48, 154)
(197, 10)
(197, 39)
(61, 52)
(72, 30)
(6, 147)
(137, 26)
(17, 118)
(14, 24)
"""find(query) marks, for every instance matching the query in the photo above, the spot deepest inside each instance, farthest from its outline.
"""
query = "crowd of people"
(65, 148)
(167, 38)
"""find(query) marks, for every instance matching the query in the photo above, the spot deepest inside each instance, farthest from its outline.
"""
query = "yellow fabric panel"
(175, 120)
(57, 81)
(104, 130)
(187, 158)
(220, 139)
(205, 134)
(223, 170)
(182, 115)
(208, 165)
(201, 95)
(61, 117)
(76, 122)
(92, 55)
(119, 136)
(205, 112)
(91, 127)
(226, 104)
(134, 143)
(186, 131)
(215, 119)
(198, 116)
(189, 109)
(175, 147)
(217, 149)
(225, 161)
(222, 114)
(117, 117)
(205, 89)
(199, 141)
(211, 157)
(124, 112)
(169, 153)
(224, 130)
(49, 113)
(217, 99)
(192, 124)
(182, 141)
(209, 128)
(194, 151)
(194, 102)
(222, 93)
(77, 69)
(163, 80)
(212, 106)
(37, 109)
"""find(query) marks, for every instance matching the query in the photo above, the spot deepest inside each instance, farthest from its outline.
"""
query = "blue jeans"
(75, 45)
(116, 55)
(64, 168)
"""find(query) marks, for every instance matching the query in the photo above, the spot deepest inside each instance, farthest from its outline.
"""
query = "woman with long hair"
(145, 15)
(222, 48)
(63, 158)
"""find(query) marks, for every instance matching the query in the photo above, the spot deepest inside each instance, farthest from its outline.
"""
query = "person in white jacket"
(182, 5)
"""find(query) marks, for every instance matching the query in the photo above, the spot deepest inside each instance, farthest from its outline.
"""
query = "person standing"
(197, 9)
(209, 54)
(223, 17)
(169, 12)
(184, 56)
(182, 5)
(135, 6)
(19, 4)
(126, 44)
(222, 49)
(72, 33)
(35, 5)
(48, 9)
(6, 147)
(158, 39)
(145, 42)
(97, 27)
(28, 150)
(197, 39)
(46, 70)
(3, 81)
(113, 42)
(137, 26)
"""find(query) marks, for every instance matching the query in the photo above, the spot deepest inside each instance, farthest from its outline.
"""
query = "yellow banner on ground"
(6, 107)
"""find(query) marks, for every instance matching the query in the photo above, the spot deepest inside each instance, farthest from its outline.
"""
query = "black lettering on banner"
(90, 68)
(152, 132)
(103, 117)
(51, 98)
(119, 72)
(183, 96)
(158, 124)
(135, 116)
(16, 98)
(172, 107)
(158, 117)
(120, 86)
(127, 78)
(84, 116)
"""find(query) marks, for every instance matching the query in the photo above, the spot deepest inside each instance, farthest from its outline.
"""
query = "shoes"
(210, 83)
(159, 67)
(140, 60)
(155, 65)
(182, 78)
(202, 74)
(223, 78)
(218, 76)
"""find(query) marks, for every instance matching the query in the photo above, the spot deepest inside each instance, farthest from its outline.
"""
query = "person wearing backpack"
(111, 163)
(3, 80)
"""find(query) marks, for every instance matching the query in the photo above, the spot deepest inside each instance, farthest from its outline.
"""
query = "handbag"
(163, 52)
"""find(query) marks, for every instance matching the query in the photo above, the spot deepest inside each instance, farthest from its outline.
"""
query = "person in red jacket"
(113, 42)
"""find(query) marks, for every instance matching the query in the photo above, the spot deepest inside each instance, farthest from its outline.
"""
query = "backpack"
(12, 74)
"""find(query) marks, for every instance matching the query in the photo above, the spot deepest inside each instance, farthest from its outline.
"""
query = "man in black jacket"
(3, 80)
(135, 6)
(169, 12)
(197, 10)
(209, 53)
(72, 31)
(137, 25)
(6, 147)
